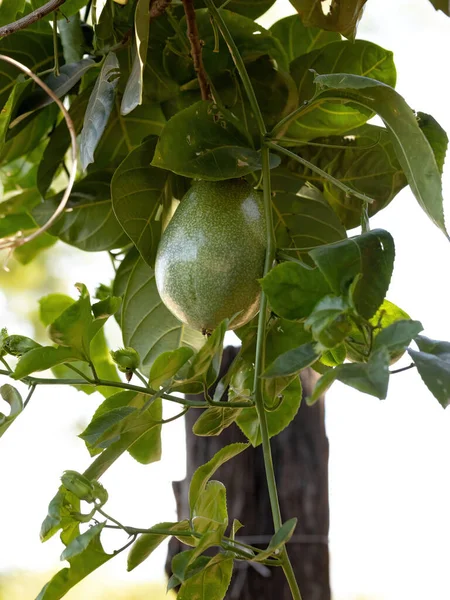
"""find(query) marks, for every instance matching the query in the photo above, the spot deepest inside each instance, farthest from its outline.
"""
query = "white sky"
(389, 475)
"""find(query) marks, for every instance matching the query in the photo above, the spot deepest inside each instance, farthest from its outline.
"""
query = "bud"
(3, 336)
(79, 485)
(18, 345)
(127, 359)
(103, 292)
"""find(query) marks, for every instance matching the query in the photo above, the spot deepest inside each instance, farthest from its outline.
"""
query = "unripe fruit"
(212, 254)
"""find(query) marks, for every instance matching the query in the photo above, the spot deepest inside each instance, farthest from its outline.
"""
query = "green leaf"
(119, 425)
(17, 345)
(214, 420)
(371, 255)
(33, 48)
(134, 90)
(297, 39)
(137, 192)
(99, 109)
(279, 539)
(277, 419)
(204, 473)
(292, 361)
(211, 582)
(44, 358)
(88, 222)
(84, 561)
(413, 150)
(293, 290)
(210, 510)
(303, 218)
(14, 399)
(147, 325)
(333, 118)
(370, 378)
(123, 275)
(329, 322)
(436, 136)
(61, 515)
(249, 8)
(51, 306)
(341, 16)
(148, 542)
(72, 38)
(167, 365)
(71, 7)
(60, 142)
(397, 336)
(201, 141)
(10, 10)
(433, 364)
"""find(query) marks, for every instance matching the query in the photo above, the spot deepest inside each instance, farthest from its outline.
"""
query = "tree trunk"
(300, 455)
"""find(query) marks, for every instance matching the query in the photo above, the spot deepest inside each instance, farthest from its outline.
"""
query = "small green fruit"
(212, 254)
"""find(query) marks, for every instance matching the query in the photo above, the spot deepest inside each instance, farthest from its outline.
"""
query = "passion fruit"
(212, 254)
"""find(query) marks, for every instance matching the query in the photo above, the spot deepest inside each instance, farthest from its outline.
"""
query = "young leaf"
(210, 510)
(14, 399)
(51, 306)
(277, 419)
(148, 542)
(298, 39)
(211, 582)
(167, 365)
(214, 420)
(342, 17)
(46, 357)
(433, 363)
(99, 109)
(85, 556)
(293, 290)
(279, 539)
(134, 89)
(411, 146)
(397, 336)
(147, 325)
(329, 322)
(72, 38)
(372, 255)
(137, 192)
(204, 473)
(61, 515)
(292, 361)
(202, 142)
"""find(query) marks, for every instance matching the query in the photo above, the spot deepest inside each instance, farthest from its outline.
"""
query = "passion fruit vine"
(212, 254)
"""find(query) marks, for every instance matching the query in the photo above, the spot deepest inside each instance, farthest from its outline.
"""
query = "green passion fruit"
(212, 254)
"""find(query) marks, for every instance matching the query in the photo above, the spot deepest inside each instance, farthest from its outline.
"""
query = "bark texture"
(300, 456)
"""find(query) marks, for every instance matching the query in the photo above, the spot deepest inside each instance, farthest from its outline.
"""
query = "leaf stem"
(55, 44)
(411, 366)
(28, 398)
(324, 174)
(237, 59)
(196, 48)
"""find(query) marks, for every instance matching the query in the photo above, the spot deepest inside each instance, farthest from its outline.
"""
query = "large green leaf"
(85, 554)
(204, 473)
(88, 221)
(413, 150)
(10, 10)
(249, 8)
(99, 109)
(297, 39)
(302, 217)
(327, 118)
(441, 5)
(340, 16)
(211, 582)
(147, 325)
(137, 191)
(365, 160)
(433, 363)
(32, 47)
(292, 361)
(370, 255)
(293, 290)
(202, 142)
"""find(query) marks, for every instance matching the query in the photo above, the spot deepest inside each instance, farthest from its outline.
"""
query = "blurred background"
(389, 475)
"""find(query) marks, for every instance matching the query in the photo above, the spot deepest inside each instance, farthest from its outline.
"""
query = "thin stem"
(196, 48)
(324, 174)
(94, 372)
(237, 59)
(287, 120)
(28, 398)
(31, 18)
(55, 43)
(87, 11)
(140, 377)
(79, 372)
(296, 142)
(411, 366)
(6, 364)
(102, 512)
